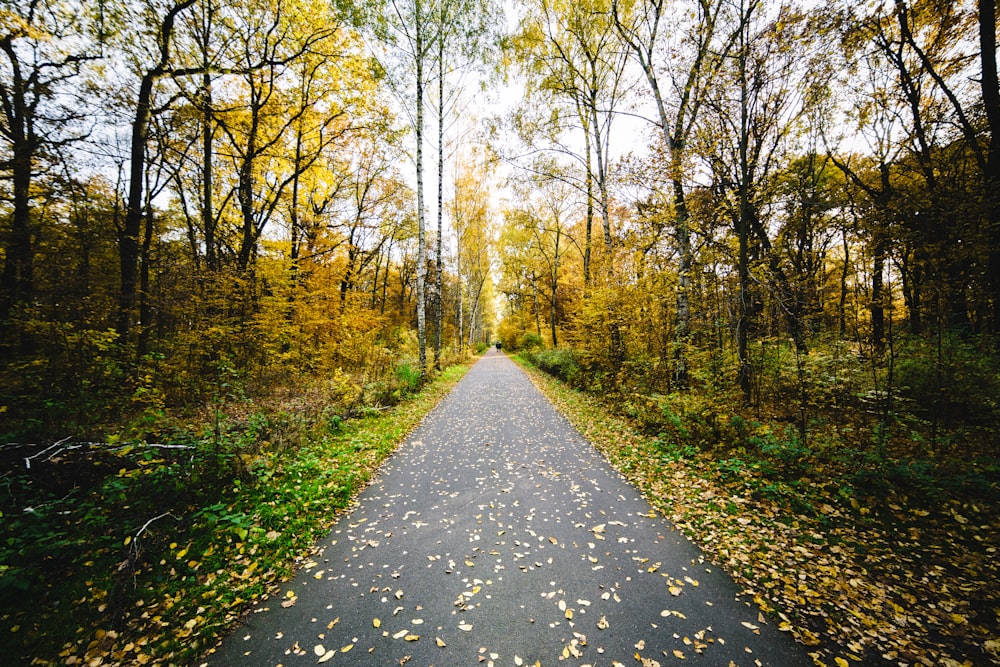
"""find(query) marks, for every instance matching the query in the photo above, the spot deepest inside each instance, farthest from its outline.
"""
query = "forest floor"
(126, 553)
(893, 577)
(880, 578)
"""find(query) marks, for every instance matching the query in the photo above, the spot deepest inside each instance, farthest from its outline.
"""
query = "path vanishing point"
(497, 535)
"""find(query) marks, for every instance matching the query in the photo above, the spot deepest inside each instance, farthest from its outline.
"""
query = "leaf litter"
(450, 527)
(900, 580)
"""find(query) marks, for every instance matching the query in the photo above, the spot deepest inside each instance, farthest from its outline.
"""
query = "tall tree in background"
(678, 90)
(755, 109)
(574, 60)
(412, 28)
(43, 47)
(161, 64)
(546, 212)
(990, 86)
(260, 131)
(467, 29)
(471, 215)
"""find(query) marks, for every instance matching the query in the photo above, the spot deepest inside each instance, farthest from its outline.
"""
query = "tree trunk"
(553, 300)
(743, 225)
(18, 271)
(845, 272)
(439, 269)
(685, 260)
(588, 242)
(207, 205)
(991, 186)
(877, 308)
(145, 307)
(421, 222)
(245, 195)
(128, 241)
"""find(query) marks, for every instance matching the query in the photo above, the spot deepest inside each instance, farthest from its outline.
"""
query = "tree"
(755, 108)
(545, 214)
(990, 85)
(466, 32)
(413, 30)
(258, 131)
(640, 25)
(572, 56)
(471, 215)
(161, 66)
(912, 61)
(43, 48)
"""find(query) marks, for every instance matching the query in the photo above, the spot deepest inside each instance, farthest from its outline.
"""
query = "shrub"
(560, 363)
(408, 376)
(952, 382)
(529, 342)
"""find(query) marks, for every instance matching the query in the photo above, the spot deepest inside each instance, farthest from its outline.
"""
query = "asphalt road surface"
(497, 535)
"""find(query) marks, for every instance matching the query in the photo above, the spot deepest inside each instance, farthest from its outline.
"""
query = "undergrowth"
(131, 553)
(863, 552)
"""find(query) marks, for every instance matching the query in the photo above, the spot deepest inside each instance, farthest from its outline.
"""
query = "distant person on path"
(499, 345)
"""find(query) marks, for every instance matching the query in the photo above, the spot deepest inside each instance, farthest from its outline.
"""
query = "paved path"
(497, 535)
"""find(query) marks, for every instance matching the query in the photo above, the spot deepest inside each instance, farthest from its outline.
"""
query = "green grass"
(157, 558)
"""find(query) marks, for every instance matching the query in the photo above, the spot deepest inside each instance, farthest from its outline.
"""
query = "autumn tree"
(574, 61)
(43, 48)
(410, 26)
(755, 108)
(472, 217)
(466, 35)
(678, 86)
(265, 119)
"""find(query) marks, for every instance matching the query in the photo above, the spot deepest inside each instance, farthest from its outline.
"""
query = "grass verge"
(857, 579)
(168, 544)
